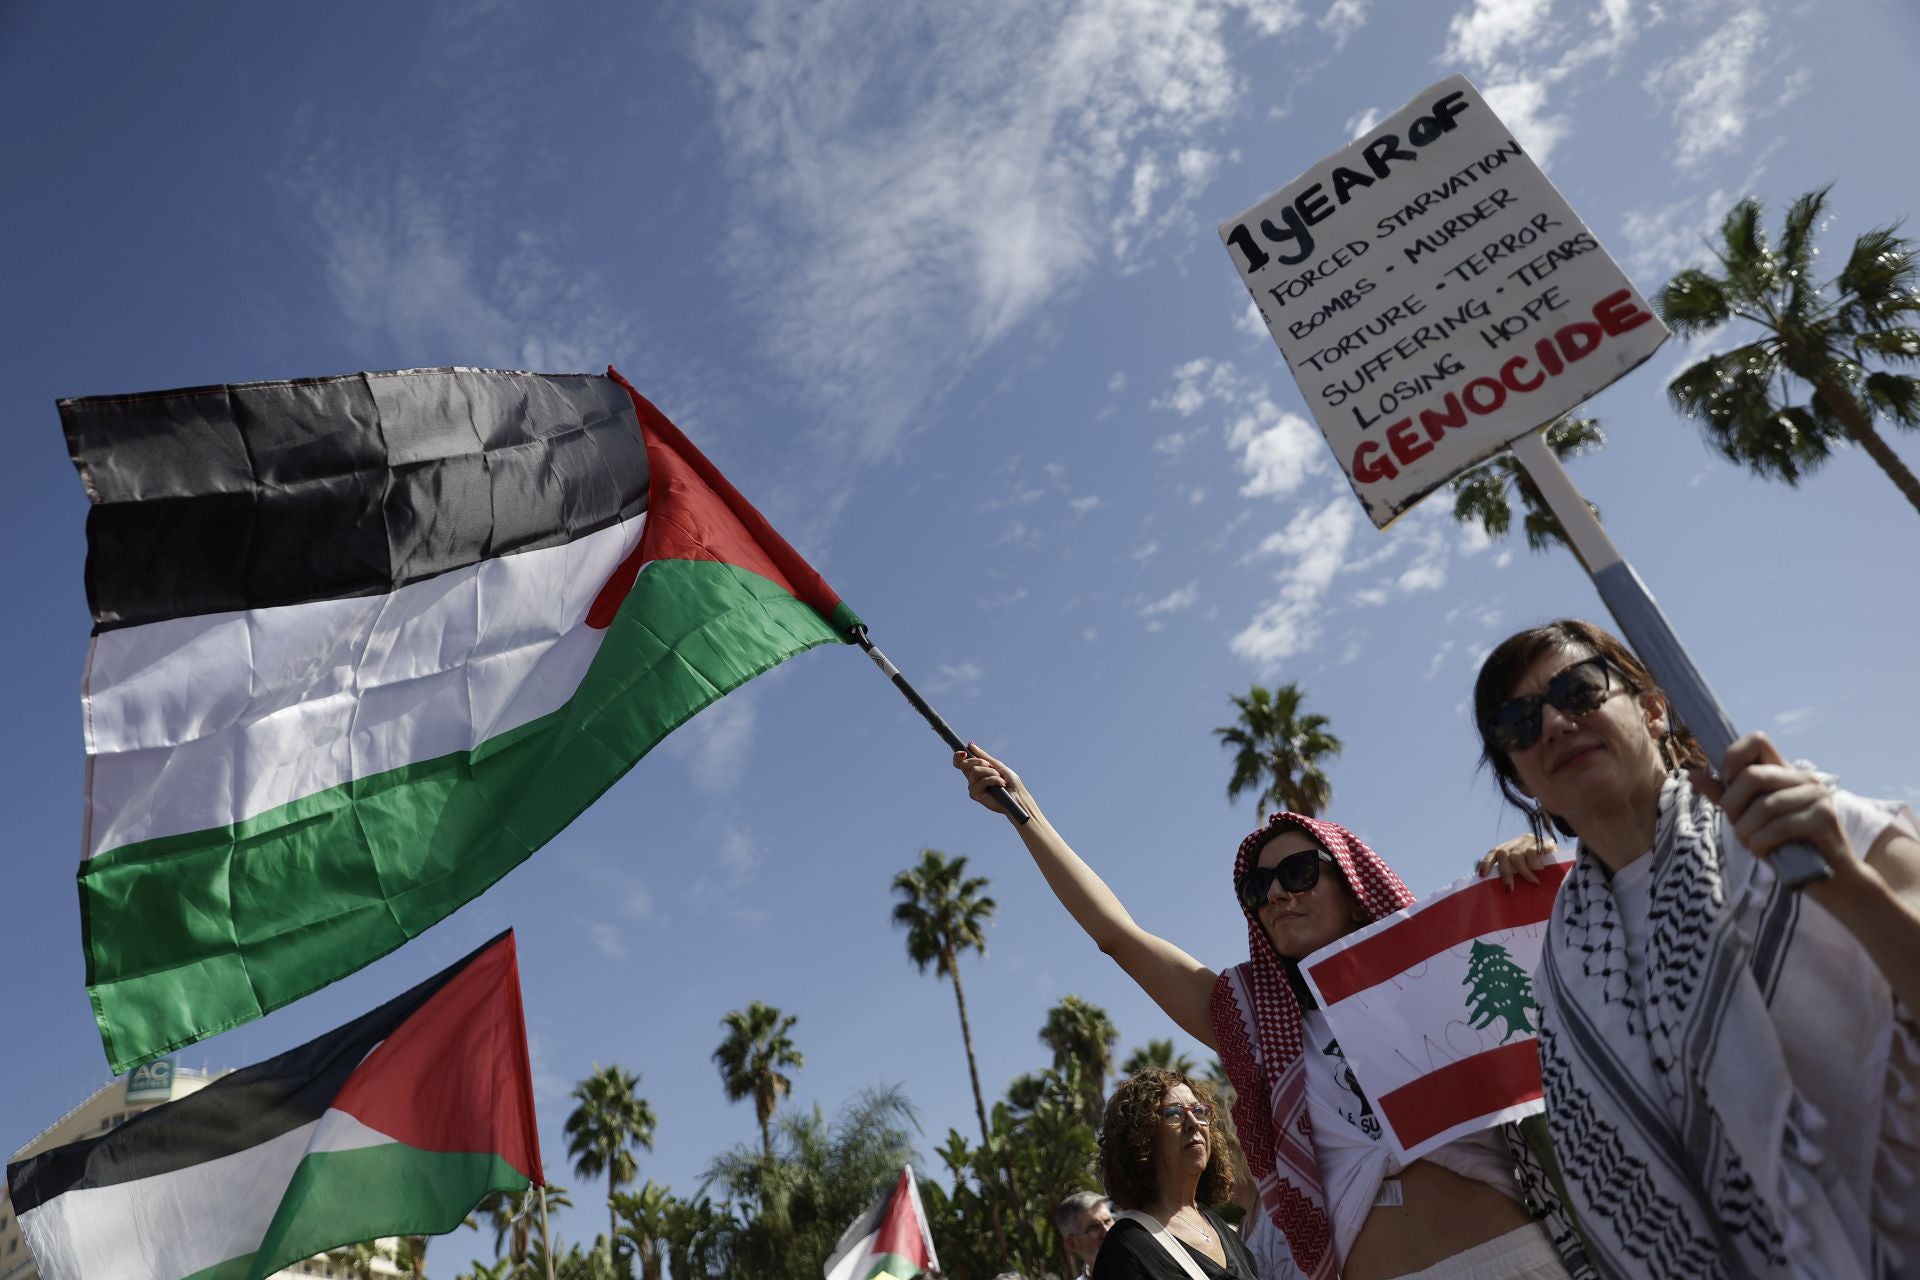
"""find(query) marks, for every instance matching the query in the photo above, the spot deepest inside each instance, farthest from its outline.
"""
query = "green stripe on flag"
(191, 934)
(344, 1197)
(231, 1269)
(892, 1264)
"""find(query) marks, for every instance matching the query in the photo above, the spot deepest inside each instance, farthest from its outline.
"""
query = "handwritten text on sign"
(1433, 1008)
(1435, 297)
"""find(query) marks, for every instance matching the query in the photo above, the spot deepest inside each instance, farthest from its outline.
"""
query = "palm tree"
(610, 1121)
(647, 1215)
(500, 1269)
(1079, 1031)
(1480, 494)
(750, 1060)
(1278, 750)
(1817, 337)
(1157, 1054)
(355, 1259)
(511, 1214)
(945, 912)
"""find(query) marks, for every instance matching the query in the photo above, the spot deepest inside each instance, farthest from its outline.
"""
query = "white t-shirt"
(1833, 1011)
(1354, 1163)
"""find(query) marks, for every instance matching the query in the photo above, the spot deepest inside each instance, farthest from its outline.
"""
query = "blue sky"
(939, 287)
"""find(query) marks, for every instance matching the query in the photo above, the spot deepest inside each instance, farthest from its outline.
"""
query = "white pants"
(1522, 1254)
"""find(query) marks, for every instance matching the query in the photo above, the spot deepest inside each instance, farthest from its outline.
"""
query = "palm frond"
(1878, 284)
(1694, 302)
(1752, 270)
(1795, 260)
(1894, 396)
(1900, 343)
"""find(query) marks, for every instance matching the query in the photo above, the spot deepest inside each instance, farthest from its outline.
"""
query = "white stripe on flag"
(174, 1224)
(195, 723)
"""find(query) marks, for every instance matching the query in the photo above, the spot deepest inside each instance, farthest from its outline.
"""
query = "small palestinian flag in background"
(364, 643)
(888, 1241)
(395, 1124)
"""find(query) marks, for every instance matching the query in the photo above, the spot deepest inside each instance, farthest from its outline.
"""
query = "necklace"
(1206, 1237)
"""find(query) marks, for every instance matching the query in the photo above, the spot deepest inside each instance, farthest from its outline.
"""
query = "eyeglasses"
(1297, 873)
(1174, 1113)
(1577, 691)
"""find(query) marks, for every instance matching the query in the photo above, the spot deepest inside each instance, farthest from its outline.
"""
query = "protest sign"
(1434, 1011)
(1435, 296)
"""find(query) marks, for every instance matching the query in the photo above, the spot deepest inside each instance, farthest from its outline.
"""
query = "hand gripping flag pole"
(1648, 631)
(1016, 812)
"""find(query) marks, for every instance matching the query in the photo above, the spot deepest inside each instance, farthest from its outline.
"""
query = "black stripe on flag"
(235, 1112)
(216, 499)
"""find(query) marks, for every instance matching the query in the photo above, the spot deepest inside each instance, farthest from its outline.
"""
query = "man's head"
(1083, 1219)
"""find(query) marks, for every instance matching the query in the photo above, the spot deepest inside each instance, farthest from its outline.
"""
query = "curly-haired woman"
(1163, 1163)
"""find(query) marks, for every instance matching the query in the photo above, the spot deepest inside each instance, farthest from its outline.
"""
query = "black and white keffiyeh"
(1682, 1141)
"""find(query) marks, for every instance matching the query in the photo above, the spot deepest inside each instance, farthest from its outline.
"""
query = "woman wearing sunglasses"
(1326, 1181)
(1732, 1085)
(1162, 1163)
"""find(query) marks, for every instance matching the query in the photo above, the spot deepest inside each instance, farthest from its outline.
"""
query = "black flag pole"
(1648, 631)
(1016, 812)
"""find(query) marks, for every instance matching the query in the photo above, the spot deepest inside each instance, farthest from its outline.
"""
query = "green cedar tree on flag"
(364, 643)
(889, 1241)
(394, 1124)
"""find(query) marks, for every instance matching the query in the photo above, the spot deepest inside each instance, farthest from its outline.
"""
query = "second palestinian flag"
(890, 1241)
(364, 643)
(395, 1124)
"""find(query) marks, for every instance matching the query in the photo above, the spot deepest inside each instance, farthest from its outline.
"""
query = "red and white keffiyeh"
(1256, 1026)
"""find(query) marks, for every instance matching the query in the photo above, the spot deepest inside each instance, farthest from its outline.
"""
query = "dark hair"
(1127, 1135)
(1509, 661)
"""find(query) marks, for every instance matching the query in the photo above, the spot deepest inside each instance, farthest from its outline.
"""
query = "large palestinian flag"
(890, 1241)
(363, 643)
(395, 1124)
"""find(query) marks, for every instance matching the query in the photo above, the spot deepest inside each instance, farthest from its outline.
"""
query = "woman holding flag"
(1733, 1085)
(1327, 1183)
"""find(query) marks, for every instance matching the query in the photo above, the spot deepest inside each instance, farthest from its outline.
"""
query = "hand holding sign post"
(1437, 300)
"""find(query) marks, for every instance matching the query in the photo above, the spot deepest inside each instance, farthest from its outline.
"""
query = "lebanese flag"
(1433, 1008)
(889, 1241)
(363, 643)
(395, 1124)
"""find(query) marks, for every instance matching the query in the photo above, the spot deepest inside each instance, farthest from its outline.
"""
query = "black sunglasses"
(1296, 873)
(1577, 691)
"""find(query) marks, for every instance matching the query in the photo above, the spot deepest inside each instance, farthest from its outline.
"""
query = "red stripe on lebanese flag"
(1438, 926)
(1505, 1077)
(473, 1030)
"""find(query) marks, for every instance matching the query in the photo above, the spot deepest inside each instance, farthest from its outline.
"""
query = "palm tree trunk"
(980, 1108)
(1860, 426)
(613, 1223)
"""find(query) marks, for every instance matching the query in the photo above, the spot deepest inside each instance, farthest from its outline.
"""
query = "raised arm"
(1179, 984)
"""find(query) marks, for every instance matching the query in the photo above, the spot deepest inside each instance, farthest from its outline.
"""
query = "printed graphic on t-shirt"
(1364, 1120)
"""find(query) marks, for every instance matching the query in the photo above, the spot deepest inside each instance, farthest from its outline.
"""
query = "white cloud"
(1362, 122)
(1314, 547)
(1521, 104)
(1489, 29)
(951, 676)
(1794, 717)
(1713, 92)
(1342, 20)
(1080, 506)
(1027, 136)
(1249, 321)
(730, 859)
(1175, 601)
(1145, 552)
(1661, 239)
(1278, 450)
(716, 742)
(1117, 383)
(606, 940)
